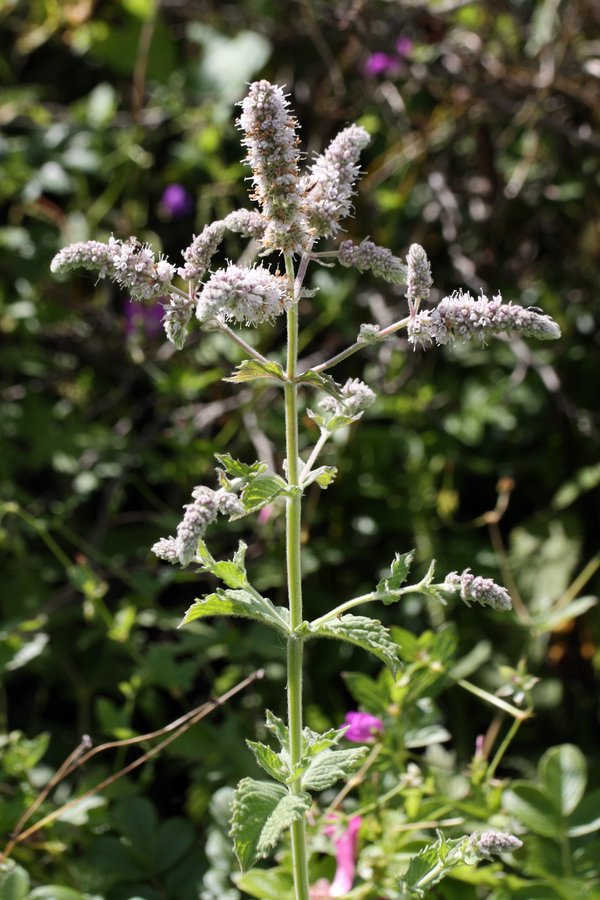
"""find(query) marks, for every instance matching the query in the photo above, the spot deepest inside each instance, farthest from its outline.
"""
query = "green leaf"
(277, 728)
(361, 631)
(586, 818)
(324, 382)
(238, 469)
(262, 812)
(551, 620)
(270, 761)
(252, 369)
(260, 490)
(55, 892)
(232, 572)
(330, 765)
(533, 808)
(14, 883)
(316, 741)
(239, 603)
(324, 476)
(563, 771)
(387, 587)
(266, 884)
(427, 868)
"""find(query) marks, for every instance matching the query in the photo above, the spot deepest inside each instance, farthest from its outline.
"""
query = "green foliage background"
(485, 150)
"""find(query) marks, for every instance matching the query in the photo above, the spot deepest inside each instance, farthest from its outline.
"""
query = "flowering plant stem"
(294, 573)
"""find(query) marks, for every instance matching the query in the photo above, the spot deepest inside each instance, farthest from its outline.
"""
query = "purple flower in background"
(363, 727)
(176, 201)
(141, 319)
(379, 63)
(345, 851)
(404, 46)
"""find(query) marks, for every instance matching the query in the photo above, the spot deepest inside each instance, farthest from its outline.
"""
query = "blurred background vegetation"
(485, 120)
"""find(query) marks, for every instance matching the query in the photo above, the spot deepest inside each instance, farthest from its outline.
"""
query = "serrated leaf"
(422, 868)
(239, 603)
(329, 766)
(563, 770)
(277, 727)
(324, 382)
(270, 761)
(260, 490)
(400, 568)
(361, 631)
(262, 812)
(253, 369)
(316, 741)
(323, 476)
(238, 469)
(372, 694)
(231, 571)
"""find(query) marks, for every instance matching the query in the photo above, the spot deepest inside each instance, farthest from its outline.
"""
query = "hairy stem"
(294, 575)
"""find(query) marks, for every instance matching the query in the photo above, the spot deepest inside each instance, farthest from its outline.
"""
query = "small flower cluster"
(198, 516)
(355, 398)
(418, 277)
(475, 589)
(248, 295)
(487, 844)
(177, 317)
(273, 154)
(461, 317)
(131, 264)
(246, 222)
(367, 256)
(200, 252)
(330, 181)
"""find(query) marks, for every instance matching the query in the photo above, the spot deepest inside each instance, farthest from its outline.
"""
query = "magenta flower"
(404, 46)
(176, 201)
(363, 727)
(379, 63)
(345, 851)
(142, 319)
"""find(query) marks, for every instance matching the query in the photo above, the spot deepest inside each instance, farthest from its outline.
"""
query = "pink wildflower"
(363, 727)
(345, 850)
(379, 63)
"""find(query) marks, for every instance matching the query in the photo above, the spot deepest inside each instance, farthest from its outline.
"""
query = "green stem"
(491, 769)
(294, 575)
(358, 345)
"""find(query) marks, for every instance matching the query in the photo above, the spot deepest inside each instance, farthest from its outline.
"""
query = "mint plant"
(295, 210)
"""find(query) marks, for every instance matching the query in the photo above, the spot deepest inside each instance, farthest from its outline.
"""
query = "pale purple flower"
(418, 277)
(488, 844)
(248, 295)
(199, 254)
(329, 184)
(345, 841)
(273, 154)
(177, 315)
(363, 727)
(367, 256)
(462, 317)
(476, 589)
(130, 263)
(380, 63)
(176, 201)
(246, 222)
